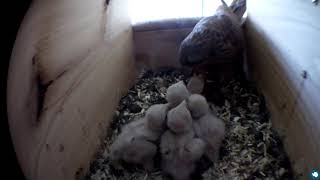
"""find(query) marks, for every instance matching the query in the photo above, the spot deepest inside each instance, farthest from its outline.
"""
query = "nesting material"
(250, 150)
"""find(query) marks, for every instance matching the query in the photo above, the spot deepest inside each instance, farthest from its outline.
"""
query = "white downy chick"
(179, 154)
(134, 150)
(211, 129)
(171, 142)
(194, 149)
(179, 119)
(196, 84)
(156, 117)
(176, 93)
(134, 144)
(197, 105)
(139, 128)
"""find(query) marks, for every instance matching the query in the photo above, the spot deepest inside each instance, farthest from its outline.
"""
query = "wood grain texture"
(284, 59)
(79, 55)
(159, 48)
(157, 42)
(178, 23)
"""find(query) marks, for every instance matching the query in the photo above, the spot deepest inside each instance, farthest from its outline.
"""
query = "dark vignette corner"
(13, 13)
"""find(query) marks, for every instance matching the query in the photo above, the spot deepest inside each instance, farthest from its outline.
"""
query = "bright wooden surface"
(83, 52)
(284, 57)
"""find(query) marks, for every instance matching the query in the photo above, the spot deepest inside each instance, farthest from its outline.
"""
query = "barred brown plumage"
(218, 37)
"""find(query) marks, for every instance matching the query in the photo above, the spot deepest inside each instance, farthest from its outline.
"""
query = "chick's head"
(138, 129)
(156, 117)
(196, 84)
(198, 106)
(179, 119)
(176, 93)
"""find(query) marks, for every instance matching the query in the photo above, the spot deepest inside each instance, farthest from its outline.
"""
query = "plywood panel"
(284, 61)
(77, 56)
(157, 43)
(159, 48)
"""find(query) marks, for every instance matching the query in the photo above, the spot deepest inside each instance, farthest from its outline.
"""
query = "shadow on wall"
(15, 11)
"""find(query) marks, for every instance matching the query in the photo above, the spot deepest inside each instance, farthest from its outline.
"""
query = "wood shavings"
(251, 149)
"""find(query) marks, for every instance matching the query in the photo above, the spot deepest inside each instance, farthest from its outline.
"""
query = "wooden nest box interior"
(74, 59)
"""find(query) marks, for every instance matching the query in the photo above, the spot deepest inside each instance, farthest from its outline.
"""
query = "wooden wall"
(72, 61)
(284, 58)
(157, 43)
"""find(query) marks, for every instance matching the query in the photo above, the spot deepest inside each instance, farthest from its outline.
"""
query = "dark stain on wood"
(78, 173)
(304, 74)
(47, 147)
(284, 106)
(41, 87)
(85, 131)
(61, 74)
(61, 147)
(106, 4)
